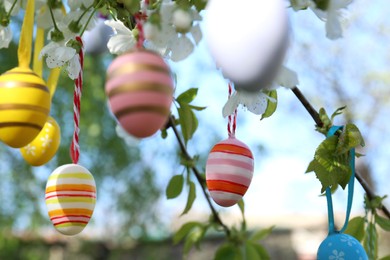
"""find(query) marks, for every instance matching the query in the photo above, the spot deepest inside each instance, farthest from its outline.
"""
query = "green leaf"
(384, 223)
(200, 4)
(261, 234)
(175, 186)
(356, 228)
(227, 252)
(251, 252)
(350, 138)
(187, 96)
(338, 111)
(385, 258)
(331, 169)
(193, 238)
(370, 242)
(188, 121)
(191, 197)
(197, 108)
(271, 104)
(184, 231)
(261, 251)
(241, 205)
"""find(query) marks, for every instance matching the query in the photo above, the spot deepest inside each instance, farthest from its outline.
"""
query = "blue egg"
(340, 246)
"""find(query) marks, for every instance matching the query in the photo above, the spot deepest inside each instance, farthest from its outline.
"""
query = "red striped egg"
(140, 88)
(229, 171)
(70, 198)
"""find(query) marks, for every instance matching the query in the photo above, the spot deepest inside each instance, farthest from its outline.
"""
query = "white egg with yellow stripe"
(70, 198)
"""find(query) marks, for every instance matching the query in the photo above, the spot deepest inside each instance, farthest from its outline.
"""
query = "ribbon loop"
(351, 183)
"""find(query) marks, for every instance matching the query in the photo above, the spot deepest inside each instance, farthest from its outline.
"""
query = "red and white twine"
(140, 18)
(232, 119)
(78, 85)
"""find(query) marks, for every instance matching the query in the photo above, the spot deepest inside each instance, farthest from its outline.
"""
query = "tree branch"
(314, 114)
(200, 179)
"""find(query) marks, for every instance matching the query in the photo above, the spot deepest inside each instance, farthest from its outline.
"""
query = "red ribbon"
(78, 85)
(232, 119)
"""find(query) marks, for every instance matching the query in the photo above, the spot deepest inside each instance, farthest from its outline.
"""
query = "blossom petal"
(120, 43)
(181, 48)
(5, 36)
(255, 103)
(196, 33)
(333, 26)
(230, 106)
(118, 27)
(73, 67)
(287, 78)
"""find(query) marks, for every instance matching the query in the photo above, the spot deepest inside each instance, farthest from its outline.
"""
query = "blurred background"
(134, 220)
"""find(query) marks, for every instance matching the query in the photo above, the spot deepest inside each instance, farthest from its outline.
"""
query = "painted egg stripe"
(226, 186)
(134, 87)
(132, 68)
(233, 178)
(78, 175)
(71, 187)
(65, 181)
(10, 72)
(60, 200)
(71, 224)
(72, 211)
(18, 84)
(151, 109)
(228, 169)
(21, 124)
(228, 156)
(70, 195)
(70, 205)
(248, 166)
(71, 216)
(229, 148)
(24, 107)
(222, 195)
(70, 220)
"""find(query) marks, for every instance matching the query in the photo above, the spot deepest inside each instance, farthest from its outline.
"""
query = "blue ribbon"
(351, 183)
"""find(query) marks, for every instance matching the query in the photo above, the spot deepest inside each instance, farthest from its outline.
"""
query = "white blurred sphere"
(95, 41)
(247, 39)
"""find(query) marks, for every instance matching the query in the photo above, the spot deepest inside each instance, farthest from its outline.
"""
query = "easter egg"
(70, 198)
(247, 39)
(341, 246)
(44, 146)
(229, 171)
(140, 88)
(24, 106)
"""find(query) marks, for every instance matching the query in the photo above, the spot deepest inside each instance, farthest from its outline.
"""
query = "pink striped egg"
(70, 198)
(229, 171)
(140, 88)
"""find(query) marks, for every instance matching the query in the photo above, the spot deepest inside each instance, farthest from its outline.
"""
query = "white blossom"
(178, 33)
(332, 17)
(255, 102)
(5, 36)
(286, 78)
(123, 39)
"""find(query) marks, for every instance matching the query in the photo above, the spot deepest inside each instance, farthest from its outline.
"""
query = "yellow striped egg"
(44, 146)
(70, 198)
(24, 106)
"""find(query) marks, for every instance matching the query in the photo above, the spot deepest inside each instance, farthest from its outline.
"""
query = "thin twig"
(197, 174)
(314, 114)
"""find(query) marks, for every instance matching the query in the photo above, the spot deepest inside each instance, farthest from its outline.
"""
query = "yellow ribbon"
(53, 80)
(39, 42)
(25, 42)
